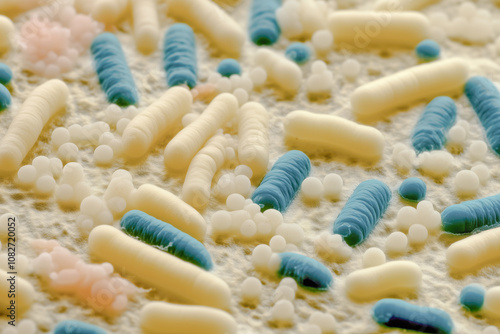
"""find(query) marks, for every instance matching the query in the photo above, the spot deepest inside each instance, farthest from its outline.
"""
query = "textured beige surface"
(44, 219)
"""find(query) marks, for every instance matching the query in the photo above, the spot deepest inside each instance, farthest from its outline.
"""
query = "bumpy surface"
(413, 189)
(400, 314)
(468, 216)
(362, 211)
(113, 71)
(485, 99)
(5, 98)
(472, 297)
(428, 50)
(179, 56)
(166, 237)
(263, 27)
(77, 327)
(298, 52)
(228, 67)
(280, 185)
(307, 272)
(430, 131)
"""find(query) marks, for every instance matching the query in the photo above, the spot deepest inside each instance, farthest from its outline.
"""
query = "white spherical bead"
(45, 185)
(248, 228)
(466, 183)
(284, 293)
(467, 10)
(26, 326)
(373, 257)
(60, 136)
(277, 244)
(312, 189)
(235, 202)
(318, 67)
(224, 85)
(241, 95)
(258, 75)
(274, 216)
(252, 209)
(221, 221)
(251, 289)
(56, 167)
(42, 165)
(477, 150)
(350, 69)
(491, 330)
(92, 206)
(243, 185)
(406, 217)
(325, 321)
(27, 175)
(243, 170)
(121, 125)
(332, 184)
(396, 242)
(322, 40)
(483, 173)
(103, 155)
(261, 256)
(68, 152)
(417, 234)
(283, 312)
(292, 233)
(290, 282)
(457, 135)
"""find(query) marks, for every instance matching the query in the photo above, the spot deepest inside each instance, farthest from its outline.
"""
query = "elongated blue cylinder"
(430, 131)
(5, 74)
(5, 99)
(166, 237)
(282, 182)
(485, 99)
(113, 71)
(77, 327)
(400, 314)
(179, 56)
(472, 297)
(483, 213)
(307, 272)
(362, 211)
(263, 26)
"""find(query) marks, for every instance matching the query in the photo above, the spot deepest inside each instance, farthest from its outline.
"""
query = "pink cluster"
(95, 284)
(51, 43)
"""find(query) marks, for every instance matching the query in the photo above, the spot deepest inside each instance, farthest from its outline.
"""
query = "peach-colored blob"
(205, 92)
(50, 47)
(96, 284)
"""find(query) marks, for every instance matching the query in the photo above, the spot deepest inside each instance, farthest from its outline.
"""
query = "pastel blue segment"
(166, 237)
(113, 71)
(485, 99)
(413, 189)
(77, 327)
(430, 131)
(282, 182)
(472, 297)
(400, 314)
(263, 26)
(428, 50)
(307, 272)
(179, 56)
(298, 52)
(5, 74)
(362, 211)
(483, 213)
(228, 67)
(5, 98)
